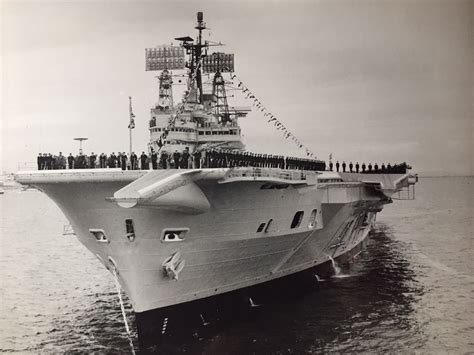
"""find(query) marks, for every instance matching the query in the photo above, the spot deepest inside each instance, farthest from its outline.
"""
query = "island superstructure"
(203, 120)
(174, 236)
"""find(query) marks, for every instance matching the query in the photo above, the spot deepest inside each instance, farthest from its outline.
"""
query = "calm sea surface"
(412, 289)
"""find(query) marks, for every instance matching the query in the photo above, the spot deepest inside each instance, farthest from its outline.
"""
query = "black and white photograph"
(237, 177)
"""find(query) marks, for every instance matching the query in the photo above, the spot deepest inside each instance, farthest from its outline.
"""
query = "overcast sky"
(373, 81)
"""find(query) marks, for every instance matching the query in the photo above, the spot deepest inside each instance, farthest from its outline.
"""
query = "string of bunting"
(270, 117)
(161, 141)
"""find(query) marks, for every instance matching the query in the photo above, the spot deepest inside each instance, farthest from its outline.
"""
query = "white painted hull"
(222, 250)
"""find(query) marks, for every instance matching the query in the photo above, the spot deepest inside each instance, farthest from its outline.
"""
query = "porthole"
(313, 219)
(129, 229)
(260, 227)
(297, 219)
(174, 235)
(268, 225)
(99, 235)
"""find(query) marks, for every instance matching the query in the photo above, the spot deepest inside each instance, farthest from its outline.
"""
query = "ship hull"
(155, 326)
(248, 227)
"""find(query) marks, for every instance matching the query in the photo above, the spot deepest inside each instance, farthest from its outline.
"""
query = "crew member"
(53, 162)
(119, 160)
(337, 166)
(123, 161)
(330, 166)
(351, 166)
(112, 160)
(70, 161)
(176, 159)
(185, 159)
(49, 162)
(197, 159)
(133, 161)
(143, 161)
(61, 161)
(164, 160)
(154, 160)
(80, 161)
(343, 166)
(363, 167)
(92, 160)
(102, 160)
(357, 167)
(39, 161)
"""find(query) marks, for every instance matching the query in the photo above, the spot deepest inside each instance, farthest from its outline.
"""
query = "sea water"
(411, 289)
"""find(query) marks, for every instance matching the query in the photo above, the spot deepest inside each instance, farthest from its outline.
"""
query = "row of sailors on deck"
(230, 159)
(176, 160)
(201, 159)
(370, 169)
(48, 161)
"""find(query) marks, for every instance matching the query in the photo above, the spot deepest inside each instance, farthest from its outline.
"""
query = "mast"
(130, 148)
(201, 25)
(218, 90)
(195, 50)
(131, 125)
(165, 96)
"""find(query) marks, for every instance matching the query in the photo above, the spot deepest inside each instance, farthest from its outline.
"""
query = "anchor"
(173, 265)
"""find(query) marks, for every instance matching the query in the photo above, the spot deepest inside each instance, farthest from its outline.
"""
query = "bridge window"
(297, 219)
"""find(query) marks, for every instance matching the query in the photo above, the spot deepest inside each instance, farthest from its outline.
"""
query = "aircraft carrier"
(187, 232)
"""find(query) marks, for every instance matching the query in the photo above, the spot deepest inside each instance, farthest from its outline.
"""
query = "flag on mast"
(131, 125)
